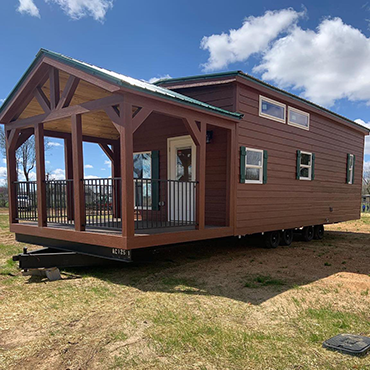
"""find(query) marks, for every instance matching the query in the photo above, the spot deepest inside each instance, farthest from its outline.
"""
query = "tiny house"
(192, 158)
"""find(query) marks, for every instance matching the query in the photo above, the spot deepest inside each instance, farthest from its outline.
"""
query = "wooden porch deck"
(118, 231)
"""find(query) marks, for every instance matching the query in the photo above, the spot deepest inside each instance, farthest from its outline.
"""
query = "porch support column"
(78, 173)
(201, 177)
(11, 138)
(68, 161)
(127, 169)
(40, 174)
(116, 174)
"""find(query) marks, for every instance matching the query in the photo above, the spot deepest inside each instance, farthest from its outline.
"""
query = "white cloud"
(4, 160)
(367, 138)
(108, 163)
(54, 143)
(91, 177)
(77, 9)
(327, 64)
(1, 102)
(47, 162)
(88, 166)
(155, 79)
(28, 7)
(252, 37)
(58, 174)
(102, 169)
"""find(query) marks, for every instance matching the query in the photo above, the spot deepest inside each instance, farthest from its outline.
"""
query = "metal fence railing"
(164, 203)
(157, 203)
(26, 195)
(59, 201)
(102, 202)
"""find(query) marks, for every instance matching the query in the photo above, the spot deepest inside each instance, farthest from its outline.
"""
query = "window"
(142, 176)
(305, 165)
(272, 109)
(298, 118)
(253, 168)
(350, 168)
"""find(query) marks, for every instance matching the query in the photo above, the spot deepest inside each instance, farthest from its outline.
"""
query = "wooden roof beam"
(42, 99)
(54, 88)
(68, 92)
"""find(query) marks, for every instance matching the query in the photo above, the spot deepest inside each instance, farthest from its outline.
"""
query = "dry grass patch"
(224, 304)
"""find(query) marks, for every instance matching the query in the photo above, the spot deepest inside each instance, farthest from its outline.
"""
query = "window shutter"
(265, 156)
(348, 161)
(298, 164)
(155, 176)
(313, 167)
(242, 164)
(353, 170)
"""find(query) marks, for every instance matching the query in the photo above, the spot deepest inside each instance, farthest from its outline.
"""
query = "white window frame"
(306, 166)
(350, 170)
(296, 124)
(260, 181)
(143, 207)
(282, 120)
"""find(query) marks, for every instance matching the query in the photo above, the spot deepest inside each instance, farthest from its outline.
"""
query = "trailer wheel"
(307, 233)
(318, 232)
(287, 237)
(272, 239)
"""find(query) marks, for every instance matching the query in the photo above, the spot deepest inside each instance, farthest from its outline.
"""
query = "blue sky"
(283, 42)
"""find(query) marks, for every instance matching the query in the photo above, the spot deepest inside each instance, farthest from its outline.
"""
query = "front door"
(182, 174)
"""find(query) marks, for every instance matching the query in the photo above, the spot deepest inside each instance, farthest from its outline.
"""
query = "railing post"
(127, 170)
(12, 177)
(78, 173)
(68, 160)
(40, 175)
(201, 178)
(116, 174)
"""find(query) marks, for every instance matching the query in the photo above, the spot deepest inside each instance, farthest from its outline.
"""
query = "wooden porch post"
(78, 173)
(12, 175)
(68, 161)
(40, 175)
(127, 169)
(201, 177)
(116, 174)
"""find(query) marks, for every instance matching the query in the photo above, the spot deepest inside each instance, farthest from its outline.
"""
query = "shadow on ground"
(238, 269)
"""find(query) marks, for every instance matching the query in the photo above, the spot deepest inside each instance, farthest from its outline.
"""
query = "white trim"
(254, 166)
(297, 124)
(350, 170)
(306, 166)
(282, 120)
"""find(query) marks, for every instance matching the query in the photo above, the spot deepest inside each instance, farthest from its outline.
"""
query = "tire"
(272, 239)
(287, 237)
(307, 233)
(318, 232)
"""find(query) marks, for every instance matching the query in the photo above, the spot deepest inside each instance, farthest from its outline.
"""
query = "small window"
(253, 166)
(298, 118)
(350, 168)
(272, 109)
(305, 165)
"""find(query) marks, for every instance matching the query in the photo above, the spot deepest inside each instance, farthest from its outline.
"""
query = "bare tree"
(25, 154)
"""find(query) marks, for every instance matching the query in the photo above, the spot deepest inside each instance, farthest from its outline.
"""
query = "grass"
(211, 305)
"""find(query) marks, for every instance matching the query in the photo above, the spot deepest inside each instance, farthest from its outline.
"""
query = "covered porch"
(171, 159)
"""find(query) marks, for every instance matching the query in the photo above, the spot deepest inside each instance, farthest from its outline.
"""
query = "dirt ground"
(223, 304)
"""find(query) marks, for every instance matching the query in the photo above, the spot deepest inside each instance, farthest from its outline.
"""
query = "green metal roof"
(121, 80)
(259, 82)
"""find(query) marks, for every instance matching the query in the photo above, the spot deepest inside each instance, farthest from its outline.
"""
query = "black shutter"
(265, 157)
(298, 164)
(313, 167)
(242, 164)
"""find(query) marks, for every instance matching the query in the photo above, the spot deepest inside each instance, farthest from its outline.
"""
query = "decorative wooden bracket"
(42, 99)
(193, 129)
(140, 117)
(68, 92)
(108, 151)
